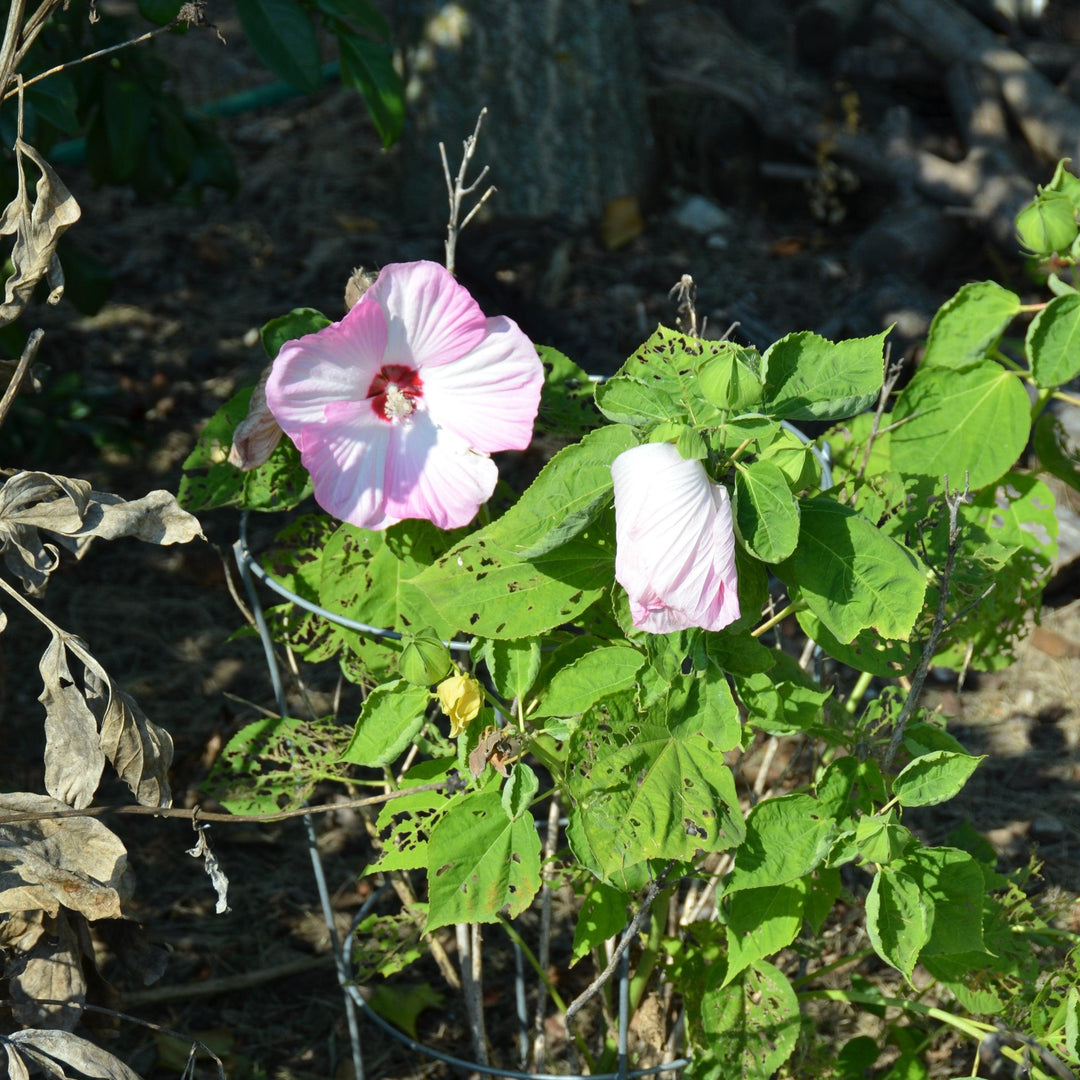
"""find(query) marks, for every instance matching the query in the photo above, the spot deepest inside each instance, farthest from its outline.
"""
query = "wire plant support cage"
(251, 572)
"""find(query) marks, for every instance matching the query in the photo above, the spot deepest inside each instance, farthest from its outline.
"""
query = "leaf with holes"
(761, 922)
(567, 400)
(480, 863)
(404, 825)
(598, 674)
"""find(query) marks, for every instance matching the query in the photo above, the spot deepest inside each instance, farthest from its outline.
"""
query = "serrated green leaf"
(1052, 344)
(808, 377)
(969, 324)
(786, 838)
(974, 421)
(480, 863)
(297, 323)
(766, 513)
(512, 665)
(897, 919)
(934, 778)
(752, 1024)
(368, 66)
(471, 584)
(851, 575)
(568, 495)
(392, 716)
(783, 700)
(283, 36)
(598, 674)
(950, 882)
(602, 916)
(404, 824)
(880, 838)
(519, 790)
(567, 399)
(761, 922)
(1059, 455)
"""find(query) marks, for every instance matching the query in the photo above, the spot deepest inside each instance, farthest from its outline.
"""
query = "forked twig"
(638, 921)
(892, 375)
(457, 189)
(953, 500)
(27, 358)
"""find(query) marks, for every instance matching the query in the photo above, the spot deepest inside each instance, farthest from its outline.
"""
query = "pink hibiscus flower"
(396, 408)
(674, 541)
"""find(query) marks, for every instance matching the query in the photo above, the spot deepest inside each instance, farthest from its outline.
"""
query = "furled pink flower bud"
(396, 408)
(258, 433)
(675, 543)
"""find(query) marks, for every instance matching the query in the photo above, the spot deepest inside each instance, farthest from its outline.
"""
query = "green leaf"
(402, 1005)
(644, 791)
(283, 36)
(358, 13)
(55, 100)
(933, 778)
(126, 106)
(761, 922)
(808, 377)
(297, 323)
(386, 944)
(519, 790)
(598, 674)
(852, 575)
(368, 66)
(512, 665)
(786, 838)
(1066, 183)
(867, 651)
(969, 324)
(897, 919)
(1047, 224)
(731, 380)
(1059, 455)
(405, 823)
(480, 863)
(1052, 344)
(471, 584)
(950, 881)
(659, 382)
(751, 1025)
(392, 716)
(567, 399)
(602, 916)
(973, 421)
(880, 838)
(766, 513)
(568, 495)
(784, 700)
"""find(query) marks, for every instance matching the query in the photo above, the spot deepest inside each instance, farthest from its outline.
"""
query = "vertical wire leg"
(340, 964)
(469, 961)
(623, 1067)
(519, 997)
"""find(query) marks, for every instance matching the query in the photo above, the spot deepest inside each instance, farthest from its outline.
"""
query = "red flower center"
(393, 391)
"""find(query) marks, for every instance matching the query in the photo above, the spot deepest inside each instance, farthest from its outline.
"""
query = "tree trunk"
(567, 128)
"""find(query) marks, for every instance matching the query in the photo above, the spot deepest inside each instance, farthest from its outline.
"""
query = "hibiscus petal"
(431, 319)
(333, 365)
(489, 397)
(346, 455)
(431, 473)
(675, 544)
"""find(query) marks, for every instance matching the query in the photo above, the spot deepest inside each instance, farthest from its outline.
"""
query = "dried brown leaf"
(37, 224)
(76, 514)
(22, 929)
(16, 1066)
(75, 863)
(53, 1050)
(49, 971)
(74, 759)
(258, 433)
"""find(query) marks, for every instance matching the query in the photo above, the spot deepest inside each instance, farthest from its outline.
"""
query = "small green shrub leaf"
(786, 838)
(368, 66)
(761, 922)
(389, 721)
(933, 778)
(766, 513)
(598, 674)
(897, 919)
(1053, 342)
(283, 36)
(969, 324)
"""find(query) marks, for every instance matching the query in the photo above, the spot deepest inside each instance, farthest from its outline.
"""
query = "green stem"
(973, 1029)
(651, 953)
(1040, 403)
(779, 617)
(544, 978)
(857, 692)
(810, 976)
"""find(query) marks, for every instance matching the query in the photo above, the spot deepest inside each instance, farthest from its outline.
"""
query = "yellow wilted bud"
(460, 697)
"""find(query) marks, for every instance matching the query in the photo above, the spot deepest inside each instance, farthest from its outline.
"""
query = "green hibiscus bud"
(729, 380)
(1048, 224)
(424, 658)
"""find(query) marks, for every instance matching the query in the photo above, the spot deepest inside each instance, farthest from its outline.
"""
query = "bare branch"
(457, 189)
(892, 374)
(27, 358)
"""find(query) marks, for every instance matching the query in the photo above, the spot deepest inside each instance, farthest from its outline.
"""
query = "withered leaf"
(74, 759)
(49, 971)
(58, 1051)
(51, 863)
(98, 718)
(213, 869)
(76, 514)
(37, 224)
(16, 1066)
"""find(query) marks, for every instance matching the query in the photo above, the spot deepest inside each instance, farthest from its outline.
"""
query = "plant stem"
(1040, 403)
(779, 617)
(857, 691)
